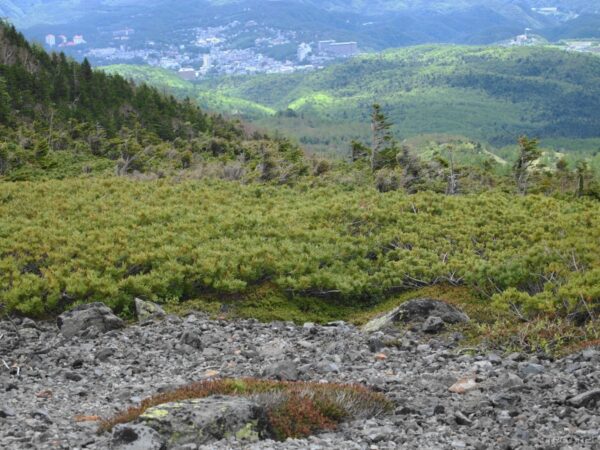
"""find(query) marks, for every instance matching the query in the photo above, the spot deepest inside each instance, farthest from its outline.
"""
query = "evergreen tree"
(359, 151)
(528, 154)
(268, 165)
(86, 70)
(412, 169)
(582, 172)
(383, 145)
(4, 102)
(562, 171)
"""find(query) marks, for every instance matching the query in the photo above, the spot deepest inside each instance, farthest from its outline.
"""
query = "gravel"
(53, 386)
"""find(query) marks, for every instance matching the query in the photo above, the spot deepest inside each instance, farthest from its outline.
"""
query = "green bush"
(83, 240)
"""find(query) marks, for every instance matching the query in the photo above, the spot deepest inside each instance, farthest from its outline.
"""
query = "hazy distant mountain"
(31, 12)
(375, 24)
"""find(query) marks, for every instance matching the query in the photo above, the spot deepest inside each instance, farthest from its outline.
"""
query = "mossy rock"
(201, 421)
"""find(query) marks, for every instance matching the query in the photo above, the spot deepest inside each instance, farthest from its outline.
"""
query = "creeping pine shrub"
(388, 180)
(293, 410)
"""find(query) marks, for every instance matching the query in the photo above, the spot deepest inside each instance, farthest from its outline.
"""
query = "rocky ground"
(446, 398)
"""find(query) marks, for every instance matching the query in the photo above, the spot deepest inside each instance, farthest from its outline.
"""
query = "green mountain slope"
(60, 118)
(492, 94)
(169, 81)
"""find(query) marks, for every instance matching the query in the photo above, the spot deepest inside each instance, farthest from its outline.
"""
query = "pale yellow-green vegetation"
(82, 240)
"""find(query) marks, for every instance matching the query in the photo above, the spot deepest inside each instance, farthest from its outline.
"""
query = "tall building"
(338, 49)
(50, 40)
(322, 46)
(303, 51)
(78, 39)
(206, 64)
(187, 73)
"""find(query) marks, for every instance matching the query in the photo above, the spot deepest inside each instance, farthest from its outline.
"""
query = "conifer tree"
(528, 154)
(562, 171)
(581, 170)
(4, 102)
(382, 140)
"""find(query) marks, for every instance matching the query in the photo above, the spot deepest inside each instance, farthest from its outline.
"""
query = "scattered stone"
(461, 419)
(90, 317)
(104, 354)
(46, 393)
(148, 310)
(505, 400)
(206, 420)
(71, 376)
(327, 367)
(509, 380)
(285, 371)
(501, 405)
(136, 437)
(586, 399)
(5, 412)
(590, 355)
(375, 344)
(192, 338)
(274, 349)
(433, 324)
(464, 385)
(530, 369)
(418, 310)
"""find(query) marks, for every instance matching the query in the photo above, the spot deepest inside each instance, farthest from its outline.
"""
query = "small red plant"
(293, 409)
(298, 417)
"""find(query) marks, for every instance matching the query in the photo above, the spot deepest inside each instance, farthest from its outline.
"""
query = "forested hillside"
(160, 200)
(490, 94)
(59, 118)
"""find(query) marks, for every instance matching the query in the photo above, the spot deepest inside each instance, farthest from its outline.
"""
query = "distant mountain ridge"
(398, 22)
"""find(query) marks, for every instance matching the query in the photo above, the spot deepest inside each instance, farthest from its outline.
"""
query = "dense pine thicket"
(61, 118)
(177, 241)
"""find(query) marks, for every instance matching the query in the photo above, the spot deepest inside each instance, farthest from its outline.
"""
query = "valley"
(486, 94)
(395, 249)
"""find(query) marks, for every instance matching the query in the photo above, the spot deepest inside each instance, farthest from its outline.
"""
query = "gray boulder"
(433, 324)
(88, 319)
(586, 399)
(202, 421)
(192, 338)
(148, 310)
(418, 310)
(136, 437)
(527, 369)
(284, 371)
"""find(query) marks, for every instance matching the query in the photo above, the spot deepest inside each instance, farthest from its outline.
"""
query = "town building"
(78, 39)
(187, 74)
(50, 40)
(303, 51)
(338, 49)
